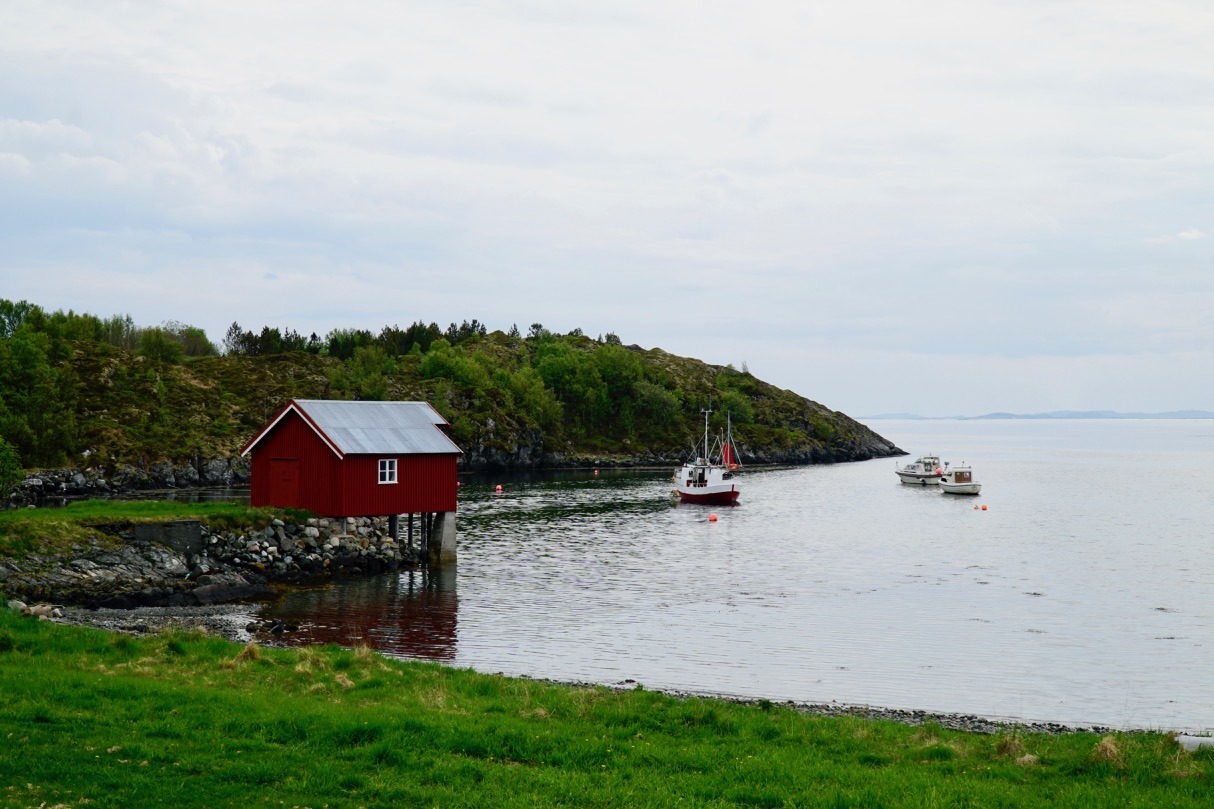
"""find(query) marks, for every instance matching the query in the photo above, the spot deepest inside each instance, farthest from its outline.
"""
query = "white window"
(387, 470)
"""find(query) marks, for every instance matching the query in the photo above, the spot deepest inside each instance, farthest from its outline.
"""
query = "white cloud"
(41, 138)
(15, 165)
(1192, 234)
(843, 177)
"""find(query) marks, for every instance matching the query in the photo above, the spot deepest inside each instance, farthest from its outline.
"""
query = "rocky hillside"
(101, 416)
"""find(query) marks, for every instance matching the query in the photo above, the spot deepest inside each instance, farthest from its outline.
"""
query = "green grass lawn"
(89, 718)
(47, 529)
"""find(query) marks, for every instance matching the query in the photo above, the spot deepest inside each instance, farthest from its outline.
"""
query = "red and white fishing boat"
(709, 478)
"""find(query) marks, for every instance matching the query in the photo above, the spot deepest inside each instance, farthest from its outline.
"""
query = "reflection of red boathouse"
(359, 459)
(413, 615)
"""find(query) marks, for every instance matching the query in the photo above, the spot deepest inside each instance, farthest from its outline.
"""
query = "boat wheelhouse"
(960, 480)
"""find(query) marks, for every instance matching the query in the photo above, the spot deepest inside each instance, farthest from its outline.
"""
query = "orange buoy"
(712, 517)
(984, 506)
(499, 488)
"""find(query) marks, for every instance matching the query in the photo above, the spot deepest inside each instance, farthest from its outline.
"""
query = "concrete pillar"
(442, 543)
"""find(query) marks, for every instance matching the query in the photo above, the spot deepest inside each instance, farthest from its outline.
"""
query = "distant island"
(1054, 414)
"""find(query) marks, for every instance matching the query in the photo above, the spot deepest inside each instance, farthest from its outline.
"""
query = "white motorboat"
(926, 470)
(960, 480)
(709, 478)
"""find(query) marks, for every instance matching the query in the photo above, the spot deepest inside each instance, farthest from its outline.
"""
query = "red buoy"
(712, 517)
(499, 488)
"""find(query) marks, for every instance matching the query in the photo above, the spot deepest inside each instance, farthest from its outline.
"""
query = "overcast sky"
(939, 207)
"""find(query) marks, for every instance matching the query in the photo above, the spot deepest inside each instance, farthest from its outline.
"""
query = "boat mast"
(707, 449)
(728, 440)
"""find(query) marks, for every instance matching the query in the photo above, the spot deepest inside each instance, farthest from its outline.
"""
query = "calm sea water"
(1083, 594)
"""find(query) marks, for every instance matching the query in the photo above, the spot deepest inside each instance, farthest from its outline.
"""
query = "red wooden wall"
(293, 442)
(293, 467)
(424, 483)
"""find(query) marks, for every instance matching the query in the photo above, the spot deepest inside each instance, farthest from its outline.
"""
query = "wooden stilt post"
(432, 550)
(429, 519)
(393, 526)
(410, 530)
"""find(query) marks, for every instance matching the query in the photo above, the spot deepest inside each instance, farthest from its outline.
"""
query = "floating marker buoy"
(984, 506)
(499, 488)
(712, 517)
(596, 471)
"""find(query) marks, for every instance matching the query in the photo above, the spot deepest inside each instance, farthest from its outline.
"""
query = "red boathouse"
(358, 459)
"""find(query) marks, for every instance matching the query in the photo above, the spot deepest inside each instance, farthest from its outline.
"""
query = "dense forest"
(82, 390)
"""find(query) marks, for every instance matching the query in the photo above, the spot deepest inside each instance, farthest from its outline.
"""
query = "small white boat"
(960, 480)
(709, 478)
(926, 470)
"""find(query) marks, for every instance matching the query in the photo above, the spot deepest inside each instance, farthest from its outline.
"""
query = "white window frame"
(387, 470)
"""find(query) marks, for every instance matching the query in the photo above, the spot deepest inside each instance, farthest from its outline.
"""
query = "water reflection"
(413, 614)
(205, 494)
(1083, 603)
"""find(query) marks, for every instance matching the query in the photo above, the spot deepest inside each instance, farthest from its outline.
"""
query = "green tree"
(444, 361)
(343, 342)
(37, 398)
(11, 472)
(367, 375)
(736, 404)
(121, 331)
(527, 394)
(238, 341)
(656, 407)
(161, 345)
(619, 369)
(574, 377)
(12, 315)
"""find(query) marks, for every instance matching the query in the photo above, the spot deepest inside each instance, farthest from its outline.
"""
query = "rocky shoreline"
(968, 723)
(237, 623)
(95, 481)
(108, 481)
(184, 563)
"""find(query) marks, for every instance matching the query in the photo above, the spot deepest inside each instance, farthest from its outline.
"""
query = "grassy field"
(47, 529)
(96, 719)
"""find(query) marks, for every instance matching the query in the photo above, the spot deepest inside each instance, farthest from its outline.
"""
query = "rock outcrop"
(93, 481)
(186, 564)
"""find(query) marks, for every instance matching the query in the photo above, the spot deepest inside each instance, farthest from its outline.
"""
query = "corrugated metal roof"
(389, 428)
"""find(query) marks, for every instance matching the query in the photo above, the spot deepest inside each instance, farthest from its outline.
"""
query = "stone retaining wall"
(128, 565)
